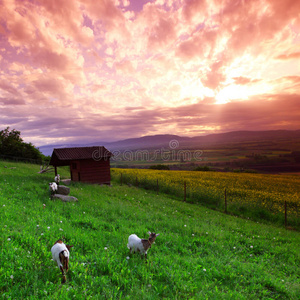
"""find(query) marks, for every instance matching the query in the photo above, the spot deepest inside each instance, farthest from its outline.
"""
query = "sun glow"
(195, 89)
(232, 92)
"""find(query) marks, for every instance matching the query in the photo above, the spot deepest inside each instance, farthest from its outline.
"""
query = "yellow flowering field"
(251, 190)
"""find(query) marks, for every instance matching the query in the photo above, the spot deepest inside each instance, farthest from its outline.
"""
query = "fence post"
(157, 187)
(225, 201)
(285, 214)
(184, 191)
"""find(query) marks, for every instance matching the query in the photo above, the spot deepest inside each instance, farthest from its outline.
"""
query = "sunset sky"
(84, 70)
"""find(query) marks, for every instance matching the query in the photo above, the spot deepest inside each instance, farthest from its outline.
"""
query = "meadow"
(199, 254)
(255, 196)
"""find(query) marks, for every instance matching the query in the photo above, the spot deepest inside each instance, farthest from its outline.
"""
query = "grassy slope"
(200, 254)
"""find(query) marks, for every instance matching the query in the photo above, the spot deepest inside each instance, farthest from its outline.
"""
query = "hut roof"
(63, 156)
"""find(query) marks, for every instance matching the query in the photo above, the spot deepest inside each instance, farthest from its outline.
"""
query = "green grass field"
(200, 253)
(258, 197)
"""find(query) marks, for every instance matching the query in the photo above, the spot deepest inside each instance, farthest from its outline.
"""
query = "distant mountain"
(234, 137)
(147, 142)
(168, 141)
(48, 149)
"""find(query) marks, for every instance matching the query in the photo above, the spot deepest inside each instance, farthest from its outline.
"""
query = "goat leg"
(64, 278)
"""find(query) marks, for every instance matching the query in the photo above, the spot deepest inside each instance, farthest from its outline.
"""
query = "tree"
(12, 144)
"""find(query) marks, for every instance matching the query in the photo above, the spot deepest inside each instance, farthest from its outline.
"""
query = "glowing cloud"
(85, 70)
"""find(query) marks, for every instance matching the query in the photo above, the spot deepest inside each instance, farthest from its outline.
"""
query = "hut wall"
(92, 171)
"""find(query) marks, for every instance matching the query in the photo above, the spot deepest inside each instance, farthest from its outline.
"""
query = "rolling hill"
(274, 139)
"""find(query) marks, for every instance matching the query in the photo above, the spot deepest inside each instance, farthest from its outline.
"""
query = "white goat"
(60, 254)
(57, 178)
(53, 187)
(135, 244)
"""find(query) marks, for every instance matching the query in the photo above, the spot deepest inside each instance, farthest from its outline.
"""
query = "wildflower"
(21, 268)
(193, 234)
(42, 233)
(251, 247)
(84, 212)
(234, 247)
(48, 227)
(127, 257)
(61, 229)
(12, 276)
(44, 205)
(184, 225)
(37, 225)
(8, 239)
(204, 270)
(105, 248)
(60, 221)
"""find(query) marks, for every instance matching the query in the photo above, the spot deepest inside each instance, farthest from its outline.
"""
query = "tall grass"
(199, 254)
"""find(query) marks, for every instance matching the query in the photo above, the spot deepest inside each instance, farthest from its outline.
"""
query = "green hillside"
(199, 254)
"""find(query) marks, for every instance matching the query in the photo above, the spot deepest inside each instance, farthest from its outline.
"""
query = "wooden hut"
(87, 164)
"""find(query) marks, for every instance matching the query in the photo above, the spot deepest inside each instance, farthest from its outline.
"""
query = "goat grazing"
(52, 187)
(57, 179)
(135, 244)
(60, 254)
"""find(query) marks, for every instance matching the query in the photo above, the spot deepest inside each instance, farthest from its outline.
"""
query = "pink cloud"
(245, 80)
(68, 18)
(215, 76)
(123, 68)
(4, 86)
(12, 101)
(193, 8)
(106, 11)
(161, 33)
(263, 113)
(190, 48)
(294, 55)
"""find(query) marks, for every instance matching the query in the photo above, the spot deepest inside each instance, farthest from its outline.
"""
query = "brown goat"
(141, 245)
(61, 254)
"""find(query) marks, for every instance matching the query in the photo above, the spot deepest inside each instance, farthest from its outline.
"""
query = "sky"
(79, 71)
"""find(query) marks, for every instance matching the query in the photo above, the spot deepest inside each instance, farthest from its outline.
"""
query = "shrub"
(159, 167)
(205, 168)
